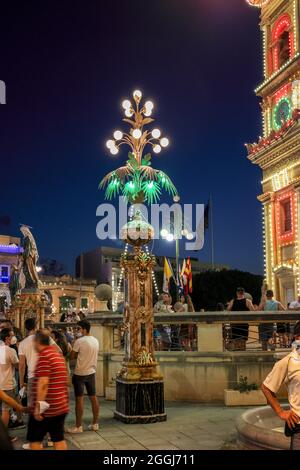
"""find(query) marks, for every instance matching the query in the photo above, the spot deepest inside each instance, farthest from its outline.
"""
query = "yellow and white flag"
(168, 273)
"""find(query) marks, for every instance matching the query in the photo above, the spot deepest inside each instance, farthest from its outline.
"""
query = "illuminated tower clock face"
(282, 113)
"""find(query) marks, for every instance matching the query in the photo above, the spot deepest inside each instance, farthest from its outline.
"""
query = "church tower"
(277, 151)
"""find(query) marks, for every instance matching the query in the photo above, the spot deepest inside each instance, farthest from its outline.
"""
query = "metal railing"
(221, 331)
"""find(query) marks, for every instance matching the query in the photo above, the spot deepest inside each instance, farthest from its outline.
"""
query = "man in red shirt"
(49, 388)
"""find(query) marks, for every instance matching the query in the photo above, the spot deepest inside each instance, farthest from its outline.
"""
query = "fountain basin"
(261, 429)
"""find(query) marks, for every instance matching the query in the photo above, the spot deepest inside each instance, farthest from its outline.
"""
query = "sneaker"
(75, 430)
(93, 427)
(27, 446)
(17, 425)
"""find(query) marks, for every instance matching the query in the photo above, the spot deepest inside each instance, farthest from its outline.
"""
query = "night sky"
(67, 66)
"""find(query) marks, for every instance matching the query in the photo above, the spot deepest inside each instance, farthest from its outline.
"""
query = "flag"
(188, 284)
(168, 273)
(206, 215)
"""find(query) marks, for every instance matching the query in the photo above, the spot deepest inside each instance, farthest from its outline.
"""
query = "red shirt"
(51, 363)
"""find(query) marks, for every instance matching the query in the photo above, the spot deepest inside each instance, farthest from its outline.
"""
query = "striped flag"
(188, 277)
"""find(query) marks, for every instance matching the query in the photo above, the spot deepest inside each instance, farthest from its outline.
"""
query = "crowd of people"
(35, 379)
(181, 337)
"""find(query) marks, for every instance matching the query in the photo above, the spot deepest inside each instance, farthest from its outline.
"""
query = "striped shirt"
(51, 364)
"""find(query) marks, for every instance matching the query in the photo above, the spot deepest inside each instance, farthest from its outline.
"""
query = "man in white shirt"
(287, 371)
(28, 356)
(295, 305)
(8, 362)
(85, 350)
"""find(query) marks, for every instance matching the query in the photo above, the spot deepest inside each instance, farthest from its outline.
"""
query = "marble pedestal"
(140, 401)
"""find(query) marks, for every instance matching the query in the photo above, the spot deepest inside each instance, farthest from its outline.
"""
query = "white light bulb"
(110, 143)
(156, 133)
(164, 142)
(149, 105)
(148, 112)
(137, 94)
(126, 104)
(156, 148)
(118, 135)
(128, 112)
(170, 237)
(114, 150)
(189, 236)
(164, 232)
(184, 232)
(137, 133)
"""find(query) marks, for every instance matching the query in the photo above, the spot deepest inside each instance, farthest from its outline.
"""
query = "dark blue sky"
(67, 66)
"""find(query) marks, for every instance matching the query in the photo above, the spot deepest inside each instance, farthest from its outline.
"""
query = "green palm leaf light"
(138, 181)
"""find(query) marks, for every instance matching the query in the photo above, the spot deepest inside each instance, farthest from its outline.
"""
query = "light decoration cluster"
(280, 180)
(265, 254)
(277, 72)
(153, 275)
(285, 114)
(137, 181)
(257, 3)
(271, 247)
(295, 94)
(290, 167)
(283, 24)
(297, 202)
(295, 23)
(285, 238)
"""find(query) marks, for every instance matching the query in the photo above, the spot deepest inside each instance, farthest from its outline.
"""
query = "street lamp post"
(139, 384)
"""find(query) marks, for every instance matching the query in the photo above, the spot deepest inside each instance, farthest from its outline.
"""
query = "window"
(283, 48)
(84, 302)
(4, 274)
(286, 218)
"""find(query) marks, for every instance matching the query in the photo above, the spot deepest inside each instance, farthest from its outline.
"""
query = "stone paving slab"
(190, 426)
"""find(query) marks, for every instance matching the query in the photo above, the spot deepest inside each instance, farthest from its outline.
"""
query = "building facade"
(277, 151)
(9, 253)
(65, 293)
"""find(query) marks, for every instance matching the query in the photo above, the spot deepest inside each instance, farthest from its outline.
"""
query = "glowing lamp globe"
(114, 150)
(110, 143)
(170, 237)
(164, 232)
(137, 94)
(149, 105)
(156, 133)
(126, 104)
(137, 133)
(118, 135)
(156, 148)
(137, 232)
(128, 112)
(164, 142)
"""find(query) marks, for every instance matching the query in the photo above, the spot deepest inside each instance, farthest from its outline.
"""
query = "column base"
(140, 401)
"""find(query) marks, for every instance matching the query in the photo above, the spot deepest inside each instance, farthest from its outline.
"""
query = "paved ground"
(189, 427)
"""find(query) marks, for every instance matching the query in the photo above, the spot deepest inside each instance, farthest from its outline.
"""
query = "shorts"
(54, 425)
(10, 393)
(87, 381)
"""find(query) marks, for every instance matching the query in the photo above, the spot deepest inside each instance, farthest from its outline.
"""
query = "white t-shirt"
(8, 358)
(287, 371)
(87, 348)
(27, 349)
(294, 304)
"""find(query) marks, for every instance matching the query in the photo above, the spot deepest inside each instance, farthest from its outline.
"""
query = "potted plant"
(244, 394)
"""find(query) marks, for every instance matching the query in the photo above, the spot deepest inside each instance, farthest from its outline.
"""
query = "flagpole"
(212, 233)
